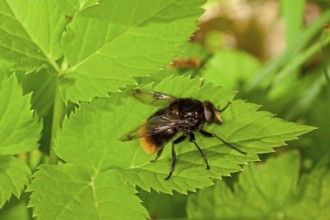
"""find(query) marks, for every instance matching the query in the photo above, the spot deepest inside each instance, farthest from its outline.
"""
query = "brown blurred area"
(254, 26)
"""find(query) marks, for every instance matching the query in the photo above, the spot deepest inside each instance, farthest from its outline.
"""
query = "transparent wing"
(152, 126)
(150, 97)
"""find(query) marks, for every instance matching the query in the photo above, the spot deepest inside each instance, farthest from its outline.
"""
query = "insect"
(185, 63)
(180, 115)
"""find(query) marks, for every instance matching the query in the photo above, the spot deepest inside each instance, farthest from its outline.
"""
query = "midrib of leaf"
(81, 6)
(97, 51)
(160, 180)
(98, 168)
(257, 136)
(95, 197)
(19, 36)
(132, 166)
(32, 40)
(146, 168)
(73, 198)
(19, 52)
(262, 137)
(158, 12)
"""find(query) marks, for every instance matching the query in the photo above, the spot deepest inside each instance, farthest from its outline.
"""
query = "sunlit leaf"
(108, 44)
(70, 7)
(93, 133)
(69, 192)
(30, 32)
(231, 68)
(19, 132)
(20, 129)
(14, 175)
(268, 191)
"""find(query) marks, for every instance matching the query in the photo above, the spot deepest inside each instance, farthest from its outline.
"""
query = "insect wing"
(152, 126)
(151, 97)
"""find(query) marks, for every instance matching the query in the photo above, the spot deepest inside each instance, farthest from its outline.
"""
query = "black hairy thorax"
(191, 113)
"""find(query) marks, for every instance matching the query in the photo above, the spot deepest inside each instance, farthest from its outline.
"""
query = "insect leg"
(180, 139)
(160, 151)
(192, 139)
(207, 134)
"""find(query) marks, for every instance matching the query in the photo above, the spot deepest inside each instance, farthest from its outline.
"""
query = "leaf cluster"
(65, 69)
(267, 191)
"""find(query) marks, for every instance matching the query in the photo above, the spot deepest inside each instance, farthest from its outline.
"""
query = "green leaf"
(42, 86)
(20, 129)
(164, 206)
(19, 132)
(15, 209)
(2, 73)
(268, 191)
(188, 51)
(70, 7)
(93, 133)
(109, 44)
(314, 196)
(30, 32)
(222, 68)
(69, 192)
(14, 176)
(293, 16)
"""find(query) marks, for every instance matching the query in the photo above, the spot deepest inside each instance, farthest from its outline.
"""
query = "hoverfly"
(180, 115)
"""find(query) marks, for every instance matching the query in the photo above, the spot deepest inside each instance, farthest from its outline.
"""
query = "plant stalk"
(58, 115)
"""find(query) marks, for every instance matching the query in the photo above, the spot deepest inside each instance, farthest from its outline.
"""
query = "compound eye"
(209, 113)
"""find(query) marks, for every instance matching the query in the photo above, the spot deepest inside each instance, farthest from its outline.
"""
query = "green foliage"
(19, 132)
(87, 134)
(104, 45)
(73, 62)
(14, 175)
(267, 191)
(165, 206)
(30, 33)
(69, 192)
(281, 73)
(126, 32)
(222, 68)
(72, 7)
(15, 209)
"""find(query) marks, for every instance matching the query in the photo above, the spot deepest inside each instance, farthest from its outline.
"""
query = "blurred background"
(274, 53)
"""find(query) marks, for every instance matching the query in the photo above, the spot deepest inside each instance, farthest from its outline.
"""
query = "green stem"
(324, 37)
(290, 54)
(28, 159)
(58, 115)
(297, 62)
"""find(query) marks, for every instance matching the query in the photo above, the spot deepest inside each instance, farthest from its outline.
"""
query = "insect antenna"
(224, 108)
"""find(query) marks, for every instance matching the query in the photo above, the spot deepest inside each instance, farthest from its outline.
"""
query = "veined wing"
(150, 97)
